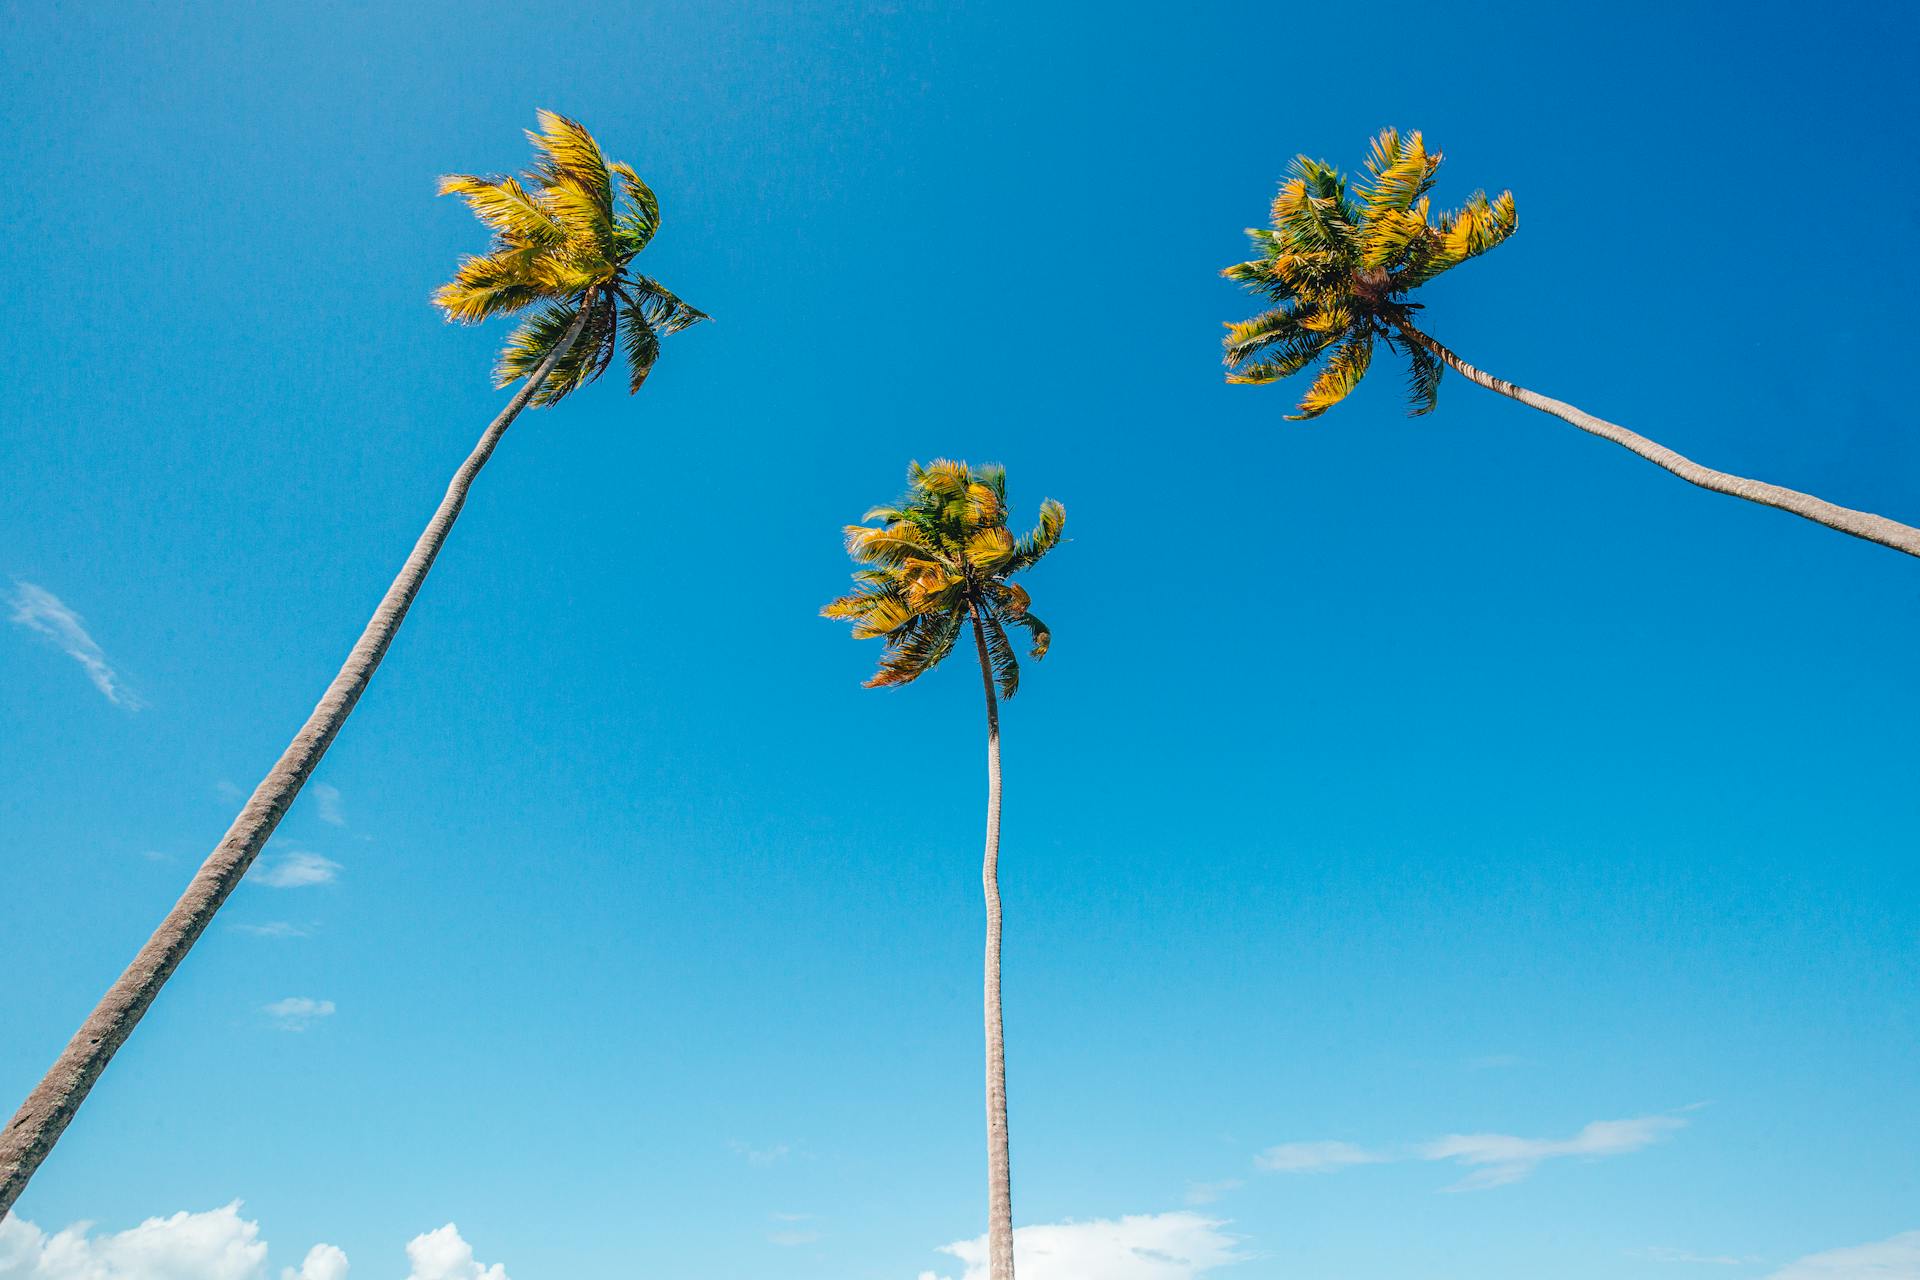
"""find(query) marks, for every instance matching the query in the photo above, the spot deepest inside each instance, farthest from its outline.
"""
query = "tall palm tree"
(1341, 260)
(937, 562)
(563, 240)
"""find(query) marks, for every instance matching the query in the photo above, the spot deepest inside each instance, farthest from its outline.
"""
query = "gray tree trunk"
(999, 1165)
(1861, 524)
(44, 1116)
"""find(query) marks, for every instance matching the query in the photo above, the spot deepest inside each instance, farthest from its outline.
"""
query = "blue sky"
(1441, 848)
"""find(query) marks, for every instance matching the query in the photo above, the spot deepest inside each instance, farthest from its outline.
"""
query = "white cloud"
(294, 870)
(216, 1245)
(297, 1013)
(1315, 1157)
(1499, 1158)
(1162, 1246)
(323, 1262)
(326, 804)
(47, 616)
(442, 1255)
(1897, 1258)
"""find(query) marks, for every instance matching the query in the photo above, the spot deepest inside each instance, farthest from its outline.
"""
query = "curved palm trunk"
(30, 1135)
(999, 1165)
(1861, 524)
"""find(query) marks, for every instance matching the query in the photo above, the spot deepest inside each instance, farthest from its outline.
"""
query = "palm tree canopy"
(1340, 260)
(938, 557)
(565, 234)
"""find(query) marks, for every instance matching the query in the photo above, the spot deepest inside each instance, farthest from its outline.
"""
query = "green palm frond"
(1340, 260)
(564, 241)
(935, 561)
(643, 346)
(1423, 379)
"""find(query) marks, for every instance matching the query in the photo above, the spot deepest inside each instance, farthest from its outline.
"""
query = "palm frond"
(507, 207)
(666, 311)
(1000, 654)
(638, 222)
(568, 153)
(1343, 371)
(643, 346)
(1423, 379)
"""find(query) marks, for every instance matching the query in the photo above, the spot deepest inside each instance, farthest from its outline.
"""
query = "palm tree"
(562, 240)
(1340, 261)
(939, 561)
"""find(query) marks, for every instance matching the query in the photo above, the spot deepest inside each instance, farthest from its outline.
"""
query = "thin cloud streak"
(1495, 1159)
(297, 1013)
(47, 616)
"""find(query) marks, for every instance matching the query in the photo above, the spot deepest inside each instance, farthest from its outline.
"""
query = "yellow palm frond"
(507, 207)
(568, 151)
(1343, 371)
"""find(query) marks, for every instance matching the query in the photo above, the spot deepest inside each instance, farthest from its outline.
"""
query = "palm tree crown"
(938, 557)
(1340, 260)
(565, 239)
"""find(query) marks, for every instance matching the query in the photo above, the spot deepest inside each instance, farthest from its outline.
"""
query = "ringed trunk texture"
(30, 1135)
(1861, 524)
(999, 1164)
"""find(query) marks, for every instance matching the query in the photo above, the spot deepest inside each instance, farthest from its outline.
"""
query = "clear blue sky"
(1388, 780)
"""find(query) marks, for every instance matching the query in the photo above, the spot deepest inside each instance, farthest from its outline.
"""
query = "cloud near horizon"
(1146, 1246)
(1895, 1258)
(1495, 1159)
(216, 1245)
(47, 616)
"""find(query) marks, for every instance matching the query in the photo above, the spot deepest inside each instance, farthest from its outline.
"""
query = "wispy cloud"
(1897, 1258)
(761, 1157)
(1494, 1159)
(1208, 1192)
(1498, 1158)
(294, 870)
(1315, 1157)
(1157, 1246)
(792, 1235)
(326, 804)
(1660, 1253)
(276, 929)
(47, 616)
(297, 1013)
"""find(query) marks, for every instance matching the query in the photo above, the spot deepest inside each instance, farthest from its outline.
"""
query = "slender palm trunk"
(999, 1165)
(30, 1135)
(1861, 524)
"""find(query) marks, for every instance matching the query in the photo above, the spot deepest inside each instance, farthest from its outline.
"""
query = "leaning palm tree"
(938, 562)
(1341, 260)
(564, 242)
